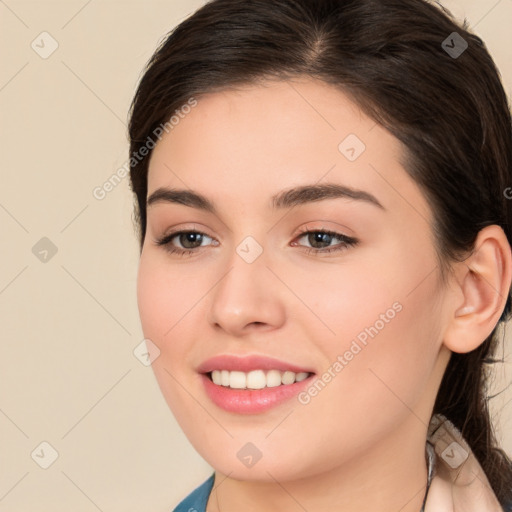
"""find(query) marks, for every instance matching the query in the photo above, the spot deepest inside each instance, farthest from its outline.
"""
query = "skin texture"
(360, 443)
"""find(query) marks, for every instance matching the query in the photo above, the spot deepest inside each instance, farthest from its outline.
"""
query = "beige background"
(68, 375)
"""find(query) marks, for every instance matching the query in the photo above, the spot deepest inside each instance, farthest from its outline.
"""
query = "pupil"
(191, 238)
(319, 238)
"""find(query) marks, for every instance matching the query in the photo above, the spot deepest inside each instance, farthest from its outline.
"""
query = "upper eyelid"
(345, 230)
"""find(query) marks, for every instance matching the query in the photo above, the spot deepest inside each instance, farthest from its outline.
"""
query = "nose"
(247, 297)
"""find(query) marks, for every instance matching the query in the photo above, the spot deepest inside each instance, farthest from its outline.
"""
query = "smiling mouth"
(255, 379)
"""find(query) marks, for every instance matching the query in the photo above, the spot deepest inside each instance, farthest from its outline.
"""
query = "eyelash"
(345, 242)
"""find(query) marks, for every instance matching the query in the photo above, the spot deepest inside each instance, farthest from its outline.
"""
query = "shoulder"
(459, 482)
(197, 499)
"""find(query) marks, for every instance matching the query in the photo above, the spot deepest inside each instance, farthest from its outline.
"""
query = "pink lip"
(250, 401)
(247, 364)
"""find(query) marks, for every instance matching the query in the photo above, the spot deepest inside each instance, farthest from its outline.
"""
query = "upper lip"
(248, 363)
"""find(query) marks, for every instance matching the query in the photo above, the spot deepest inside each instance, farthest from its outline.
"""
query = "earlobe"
(484, 280)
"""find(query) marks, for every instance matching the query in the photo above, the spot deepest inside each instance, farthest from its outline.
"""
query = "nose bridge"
(245, 294)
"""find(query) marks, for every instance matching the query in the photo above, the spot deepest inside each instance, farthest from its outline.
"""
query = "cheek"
(389, 353)
(338, 301)
(166, 297)
(369, 388)
(165, 300)
(155, 300)
(384, 323)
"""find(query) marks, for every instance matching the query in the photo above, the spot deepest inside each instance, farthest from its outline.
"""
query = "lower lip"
(251, 401)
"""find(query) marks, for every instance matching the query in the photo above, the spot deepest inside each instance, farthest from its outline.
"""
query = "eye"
(321, 240)
(189, 242)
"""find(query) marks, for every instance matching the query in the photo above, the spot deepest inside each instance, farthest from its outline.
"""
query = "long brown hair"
(448, 108)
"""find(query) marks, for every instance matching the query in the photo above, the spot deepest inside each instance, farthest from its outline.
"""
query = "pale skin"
(360, 443)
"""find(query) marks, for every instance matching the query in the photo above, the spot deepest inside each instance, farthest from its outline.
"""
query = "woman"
(325, 253)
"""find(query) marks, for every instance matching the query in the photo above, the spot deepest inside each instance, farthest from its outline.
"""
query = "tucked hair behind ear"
(450, 113)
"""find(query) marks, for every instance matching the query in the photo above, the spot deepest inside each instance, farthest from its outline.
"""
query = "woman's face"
(351, 321)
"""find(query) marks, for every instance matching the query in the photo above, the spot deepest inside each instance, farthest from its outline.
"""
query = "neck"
(389, 477)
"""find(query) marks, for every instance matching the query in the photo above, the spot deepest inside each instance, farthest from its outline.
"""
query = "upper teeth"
(257, 379)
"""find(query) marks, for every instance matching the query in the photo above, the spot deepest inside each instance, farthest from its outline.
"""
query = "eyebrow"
(295, 196)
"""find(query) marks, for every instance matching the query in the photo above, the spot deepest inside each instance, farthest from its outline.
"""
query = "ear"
(483, 280)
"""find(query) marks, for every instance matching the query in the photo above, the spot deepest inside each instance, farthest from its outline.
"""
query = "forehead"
(255, 140)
